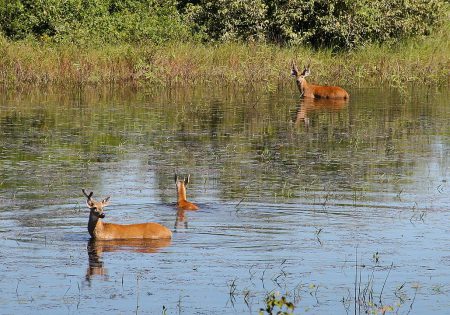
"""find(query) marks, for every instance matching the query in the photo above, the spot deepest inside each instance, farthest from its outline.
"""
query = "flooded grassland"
(341, 206)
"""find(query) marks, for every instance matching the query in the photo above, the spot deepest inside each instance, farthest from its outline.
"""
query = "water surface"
(319, 201)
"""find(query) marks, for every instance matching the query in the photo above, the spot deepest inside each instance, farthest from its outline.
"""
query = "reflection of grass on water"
(248, 147)
(285, 191)
(367, 300)
(369, 296)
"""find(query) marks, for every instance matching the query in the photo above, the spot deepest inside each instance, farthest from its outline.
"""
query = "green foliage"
(229, 19)
(336, 24)
(274, 302)
(93, 20)
(340, 24)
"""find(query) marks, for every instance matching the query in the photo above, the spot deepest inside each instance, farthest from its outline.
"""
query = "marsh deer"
(110, 231)
(316, 91)
(182, 203)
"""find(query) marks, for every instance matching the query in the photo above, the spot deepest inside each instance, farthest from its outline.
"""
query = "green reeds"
(419, 61)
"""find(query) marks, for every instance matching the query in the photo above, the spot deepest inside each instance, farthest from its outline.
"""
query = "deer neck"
(181, 191)
(95, 225)
(302, 85)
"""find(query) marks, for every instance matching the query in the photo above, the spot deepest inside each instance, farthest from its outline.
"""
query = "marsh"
(320, 202)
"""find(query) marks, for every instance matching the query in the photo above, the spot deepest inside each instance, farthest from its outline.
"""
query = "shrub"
(92, 20)
(340, 24)
(228, 19)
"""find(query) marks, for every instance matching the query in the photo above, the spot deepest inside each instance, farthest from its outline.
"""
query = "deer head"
(306, 72)
(182, 182)
(182, 203)
(95, 206)
(181, 186)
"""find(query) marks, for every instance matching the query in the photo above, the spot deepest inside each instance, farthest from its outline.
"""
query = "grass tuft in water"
(276, 304)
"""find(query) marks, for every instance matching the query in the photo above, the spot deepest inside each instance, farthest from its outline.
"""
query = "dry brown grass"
(32, 63)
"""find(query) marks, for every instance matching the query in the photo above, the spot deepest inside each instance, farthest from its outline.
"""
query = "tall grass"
(420, 61)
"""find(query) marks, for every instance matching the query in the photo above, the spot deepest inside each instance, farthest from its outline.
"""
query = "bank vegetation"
(348, 42)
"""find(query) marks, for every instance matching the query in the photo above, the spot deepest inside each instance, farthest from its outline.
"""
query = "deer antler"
(87, 196)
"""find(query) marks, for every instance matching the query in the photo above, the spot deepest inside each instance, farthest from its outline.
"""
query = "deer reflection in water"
(96, 248)
(181, 220)
(310, 105)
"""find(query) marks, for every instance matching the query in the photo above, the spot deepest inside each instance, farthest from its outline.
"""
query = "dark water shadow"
(96, 248)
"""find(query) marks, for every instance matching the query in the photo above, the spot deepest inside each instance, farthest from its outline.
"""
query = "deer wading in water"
(110, 231)
(316, 91)
(182, 203)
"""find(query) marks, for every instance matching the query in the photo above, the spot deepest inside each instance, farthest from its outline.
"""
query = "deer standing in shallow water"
(316, 91)
(110, 231)
(182, 203)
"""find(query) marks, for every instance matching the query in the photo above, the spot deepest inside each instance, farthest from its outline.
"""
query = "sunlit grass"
(419, 61)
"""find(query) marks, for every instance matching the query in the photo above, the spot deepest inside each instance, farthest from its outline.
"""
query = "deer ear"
(305, 72)
(186, 180)
(294, 70)
(90, 203)
(175, 177)
(105, 201)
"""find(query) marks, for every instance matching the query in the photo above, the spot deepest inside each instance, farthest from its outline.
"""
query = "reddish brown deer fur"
(182, 203)
(316, 91)
(110, 231)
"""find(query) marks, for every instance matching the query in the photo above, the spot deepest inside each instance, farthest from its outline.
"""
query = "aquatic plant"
(277, 305)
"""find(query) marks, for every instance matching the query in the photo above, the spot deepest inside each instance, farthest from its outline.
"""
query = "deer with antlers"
(316, 91)
(110, 231)
(182, 203)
